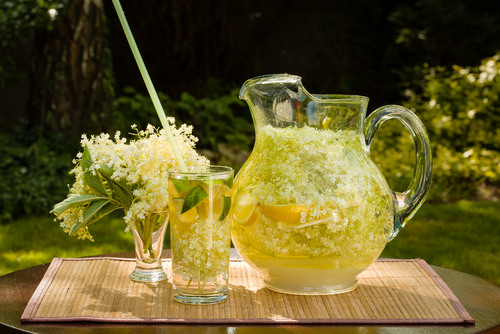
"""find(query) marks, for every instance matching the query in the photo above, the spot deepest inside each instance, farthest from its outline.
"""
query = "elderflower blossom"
(142, 163)
(327, 172)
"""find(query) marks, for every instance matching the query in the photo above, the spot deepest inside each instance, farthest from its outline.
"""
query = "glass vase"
(149, 234)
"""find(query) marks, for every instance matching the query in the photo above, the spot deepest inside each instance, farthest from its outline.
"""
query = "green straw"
(149, 84)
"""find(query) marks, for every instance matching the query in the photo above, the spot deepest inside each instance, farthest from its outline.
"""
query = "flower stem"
(149, 84)
(203, 286)
(199, 287)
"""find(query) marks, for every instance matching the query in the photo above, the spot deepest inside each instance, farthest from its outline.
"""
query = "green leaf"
(226, 208)
(106, 210)
(194, 196)
(74, 201)
(92, 180)
(181, 185)
(108, 172)
(105, 170)
(120, 189)
(88, 214)
(122, 194)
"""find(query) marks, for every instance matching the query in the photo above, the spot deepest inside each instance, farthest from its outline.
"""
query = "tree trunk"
(70, 88)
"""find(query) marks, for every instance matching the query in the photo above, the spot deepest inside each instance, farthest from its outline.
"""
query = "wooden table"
(479, 297)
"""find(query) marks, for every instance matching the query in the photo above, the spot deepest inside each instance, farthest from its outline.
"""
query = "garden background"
(66, 69)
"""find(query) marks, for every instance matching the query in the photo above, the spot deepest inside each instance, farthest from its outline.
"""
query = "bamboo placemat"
(99, 289)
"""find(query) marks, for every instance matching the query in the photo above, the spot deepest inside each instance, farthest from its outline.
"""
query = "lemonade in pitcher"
(310, 209)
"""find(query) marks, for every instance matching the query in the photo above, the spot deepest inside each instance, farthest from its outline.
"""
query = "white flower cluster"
(201, 253)
(330, 173)
(142, 164)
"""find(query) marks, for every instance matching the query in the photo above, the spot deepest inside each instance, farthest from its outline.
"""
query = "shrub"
(33, 172)
(221, 118)
(461, 111)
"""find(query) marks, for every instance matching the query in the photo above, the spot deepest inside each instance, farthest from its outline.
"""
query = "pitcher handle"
(408, 202)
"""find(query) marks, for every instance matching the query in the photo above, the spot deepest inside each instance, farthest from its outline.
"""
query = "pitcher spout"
(280, 100)
(275, 99)
(272, 86)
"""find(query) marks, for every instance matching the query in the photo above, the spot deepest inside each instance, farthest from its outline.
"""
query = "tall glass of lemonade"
(199, 203)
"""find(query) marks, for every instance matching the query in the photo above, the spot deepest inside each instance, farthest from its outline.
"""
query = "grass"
(463, 236)
(35, 240)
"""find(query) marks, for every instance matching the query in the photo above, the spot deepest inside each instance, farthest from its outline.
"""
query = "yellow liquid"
(200, 241)
(323, 211)
(302, 275)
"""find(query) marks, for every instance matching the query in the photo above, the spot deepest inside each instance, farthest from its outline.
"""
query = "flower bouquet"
(113, 175)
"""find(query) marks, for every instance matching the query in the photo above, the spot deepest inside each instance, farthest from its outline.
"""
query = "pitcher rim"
(347, 98)
(215, 171)
(340, 97)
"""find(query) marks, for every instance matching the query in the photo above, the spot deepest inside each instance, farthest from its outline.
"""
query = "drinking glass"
(199, 202)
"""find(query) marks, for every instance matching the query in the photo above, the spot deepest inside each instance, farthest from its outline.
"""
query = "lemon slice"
(288, 214)
(187, 217)
(216, 209)
(215, 190)
(245, 210)
(174, 192)
(215, 199)
(299, 215)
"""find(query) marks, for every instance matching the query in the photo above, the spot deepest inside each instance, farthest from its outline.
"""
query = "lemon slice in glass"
(215, 190)
(178, 188)
(186, 217)
(216, 193)
(245, 210)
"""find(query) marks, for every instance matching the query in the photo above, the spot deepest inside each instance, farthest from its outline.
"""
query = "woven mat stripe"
(447, 291)
(412, 289)
(386, 295)
(36, 298)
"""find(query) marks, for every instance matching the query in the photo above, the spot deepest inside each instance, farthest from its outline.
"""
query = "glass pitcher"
(310, 209)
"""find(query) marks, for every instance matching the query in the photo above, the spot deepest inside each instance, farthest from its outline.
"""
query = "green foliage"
(440, 33)
(459, 108)
(18, 19)
(33, 172)
(113, 195)
(20, 16)
(216, 119)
